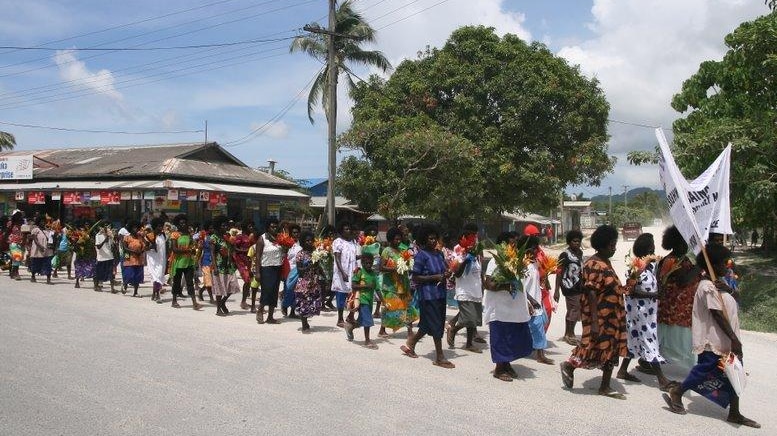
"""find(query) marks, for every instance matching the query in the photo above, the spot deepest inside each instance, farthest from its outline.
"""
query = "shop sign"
(191, 196)
(19, 196)
(36, 197)
(110, 197)
(56, 195)
(126, 195)
(204, 196)
(149, 195)
(172, 194)
(217, 199)
(72, 198)
(16, 167)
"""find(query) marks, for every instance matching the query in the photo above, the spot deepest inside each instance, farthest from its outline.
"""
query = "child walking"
(364, 284)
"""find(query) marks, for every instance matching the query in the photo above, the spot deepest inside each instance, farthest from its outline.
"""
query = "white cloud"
(75, 72)
(274, 130)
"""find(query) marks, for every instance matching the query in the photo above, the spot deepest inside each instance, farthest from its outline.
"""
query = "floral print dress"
(307, 291)
(642, 319)
(396, 294)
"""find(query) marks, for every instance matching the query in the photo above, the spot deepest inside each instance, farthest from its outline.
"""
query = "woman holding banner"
(715, 334)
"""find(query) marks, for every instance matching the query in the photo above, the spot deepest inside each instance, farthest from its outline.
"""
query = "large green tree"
(533, 124)
(735, 100)
(7, 141)
(352, 32)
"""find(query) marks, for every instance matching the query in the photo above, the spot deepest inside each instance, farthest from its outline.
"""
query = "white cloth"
(469, 287)
(347, 250)
(531, 286)
(642, 319)
(707, 334)
(105, 252)
(272, 255)
(501, 306)
(155, 260)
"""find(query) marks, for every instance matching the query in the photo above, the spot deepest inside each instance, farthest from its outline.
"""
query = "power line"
(177, 47)
(647, 126)
(171, 36)
(284, 110)
(413, 14)
(118, 132)
(120, 26)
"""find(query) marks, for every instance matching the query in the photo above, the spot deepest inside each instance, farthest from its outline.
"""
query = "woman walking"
(269, 257)
(41, 250)
(289, 286)
(134, 245)
(243, 242)
(603, 316)
(307, 289)
(568, 281)
(182, 248)
(156, 257)
(395, 291)
(223, 271)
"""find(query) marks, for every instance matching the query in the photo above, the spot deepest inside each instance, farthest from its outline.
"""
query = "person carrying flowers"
(134, 244)
(397, 312)
(467, 270)
(83, 248)
(183, 248)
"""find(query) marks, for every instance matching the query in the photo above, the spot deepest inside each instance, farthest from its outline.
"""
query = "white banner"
(16, 167)
(702, 205)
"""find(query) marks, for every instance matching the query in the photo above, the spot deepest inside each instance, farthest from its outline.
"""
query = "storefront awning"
(139, 185)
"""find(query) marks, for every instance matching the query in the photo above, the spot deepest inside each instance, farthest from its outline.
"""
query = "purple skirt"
(84, 268)
(509, 341)
(132, 275)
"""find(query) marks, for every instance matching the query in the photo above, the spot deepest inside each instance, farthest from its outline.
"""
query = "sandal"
(741, 420)
(669, 386)
(504, 376)
(612, 394)
(474, 349)
(628, 377)
(408, 352)
(677, 408)
(567, 376)
(511, 371)
(443, 364)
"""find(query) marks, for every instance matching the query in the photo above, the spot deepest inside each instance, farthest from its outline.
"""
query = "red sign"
(110, 197)
(72, 198)
(217, 199)
(36, 197)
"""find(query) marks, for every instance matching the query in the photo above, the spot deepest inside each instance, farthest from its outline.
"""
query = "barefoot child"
(364, 283)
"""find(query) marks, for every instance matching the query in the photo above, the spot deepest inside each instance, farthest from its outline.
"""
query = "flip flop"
(567, 377)
(273, 321)
(668, 387)
(629, 378)
(450, 337)
(747, 422)
(408, 352)
(444, 364)
(677, 408)
(474, 350)
(503, 376)
(479, 340)
(613, 394)
(371, 346)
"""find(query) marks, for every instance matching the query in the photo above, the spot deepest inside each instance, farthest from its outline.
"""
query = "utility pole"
(609, 212)
(626, 196)
(206, 131)
(331, 115)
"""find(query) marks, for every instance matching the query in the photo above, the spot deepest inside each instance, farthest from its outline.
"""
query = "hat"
(531, 230)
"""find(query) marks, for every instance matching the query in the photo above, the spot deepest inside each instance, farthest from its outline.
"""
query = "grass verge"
(758, 305)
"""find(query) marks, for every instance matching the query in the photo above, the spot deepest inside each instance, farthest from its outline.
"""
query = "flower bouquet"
(548, 265)
(511, 262)
(285, 240)
(636, 265)
(322, 255)
(469, 248)
(404, 263)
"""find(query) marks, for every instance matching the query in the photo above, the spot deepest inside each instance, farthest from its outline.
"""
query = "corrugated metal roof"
(194, 161)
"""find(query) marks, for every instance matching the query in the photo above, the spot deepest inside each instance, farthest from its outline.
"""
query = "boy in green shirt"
(364, 284)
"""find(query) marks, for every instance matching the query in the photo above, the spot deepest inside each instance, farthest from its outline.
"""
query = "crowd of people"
(674, 308)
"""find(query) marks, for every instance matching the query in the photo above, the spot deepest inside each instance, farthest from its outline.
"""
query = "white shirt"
(271, 252)
(469, 287)
(705, 331)
(501, 306)
(347, 250)
(531, 285)
(105, 252)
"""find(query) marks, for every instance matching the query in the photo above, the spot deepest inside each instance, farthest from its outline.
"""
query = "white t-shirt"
(469, 287)
(501, 306)
(105, 252)
(347, 250)
(705, 331)
(531, 285)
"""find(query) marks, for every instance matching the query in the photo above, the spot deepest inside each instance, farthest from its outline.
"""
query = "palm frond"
(317, 93)
(7, 141)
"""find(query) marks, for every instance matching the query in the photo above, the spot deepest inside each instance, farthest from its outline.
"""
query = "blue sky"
(640, 50)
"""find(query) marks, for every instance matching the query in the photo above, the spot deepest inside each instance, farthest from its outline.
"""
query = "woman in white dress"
(642, 318)
(156, 258)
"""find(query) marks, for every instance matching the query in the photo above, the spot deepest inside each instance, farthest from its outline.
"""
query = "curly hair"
(423, 232)
(574, 234)
(342, 225)
(644, 245)
(603, 236)
(718, 255)
(393, 233)
(503, 237)
(673, 240)
(528, 242)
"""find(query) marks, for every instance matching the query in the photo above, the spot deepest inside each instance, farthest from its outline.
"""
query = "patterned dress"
(603, 351)
(398, 310)
(307, 290)
(642, 319)
(677, 282)
(223, 268)
(243, 242)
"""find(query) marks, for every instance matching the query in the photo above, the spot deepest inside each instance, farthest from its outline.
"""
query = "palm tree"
(7, 141)
(347, 50)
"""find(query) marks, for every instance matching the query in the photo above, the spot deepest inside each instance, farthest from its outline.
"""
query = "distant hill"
(630, 194)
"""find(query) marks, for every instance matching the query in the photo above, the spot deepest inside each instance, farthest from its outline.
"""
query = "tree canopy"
(508, 123)
(354, 31)
(7, 141)
(735, 100)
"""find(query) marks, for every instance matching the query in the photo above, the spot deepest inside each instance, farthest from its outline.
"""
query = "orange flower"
(406, 254)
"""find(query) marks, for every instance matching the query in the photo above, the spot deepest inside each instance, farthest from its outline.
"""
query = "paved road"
(79, 362)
